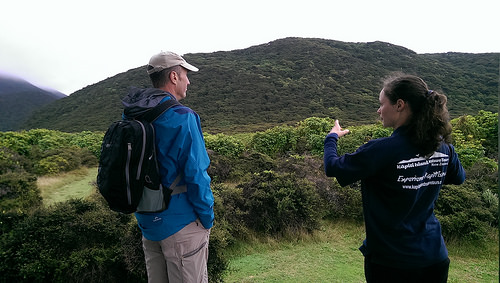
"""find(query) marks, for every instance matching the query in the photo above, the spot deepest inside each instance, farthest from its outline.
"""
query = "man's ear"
(173, 77)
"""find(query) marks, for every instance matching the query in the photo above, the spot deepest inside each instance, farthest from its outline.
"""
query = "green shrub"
(359, 135)
(230, 211)
(18, 192)
(82, 241)
(469, 150)
(51, 165)
(16, 141)
(463, 213)
(482, 129)
(229, 169)
(311, 134)
(48, 139)
(217, 260)
(281, 203)
(224, 145)
(274, 141)
(88, 140)
(11, 161)
(74, 241)
(64, 160)
(344, 202)
(220, 168)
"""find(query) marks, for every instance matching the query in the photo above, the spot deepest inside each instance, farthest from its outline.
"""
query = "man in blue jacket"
(175, 240)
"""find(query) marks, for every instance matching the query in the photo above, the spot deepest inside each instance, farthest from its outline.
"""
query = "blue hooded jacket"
(180, 150)
(399, 188)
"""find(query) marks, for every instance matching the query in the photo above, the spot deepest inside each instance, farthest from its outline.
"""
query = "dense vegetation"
(266, 183)
(286, 81)
(18, 100)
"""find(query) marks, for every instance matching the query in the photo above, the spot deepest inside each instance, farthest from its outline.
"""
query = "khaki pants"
(181, 257)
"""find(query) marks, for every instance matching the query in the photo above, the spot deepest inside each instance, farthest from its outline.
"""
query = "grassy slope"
(75, 184)
(332, 255)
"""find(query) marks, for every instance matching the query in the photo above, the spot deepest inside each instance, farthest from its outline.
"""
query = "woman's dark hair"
(429, 124)
(160, 78)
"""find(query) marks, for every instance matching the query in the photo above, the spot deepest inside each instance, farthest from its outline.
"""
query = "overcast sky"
(69, 44)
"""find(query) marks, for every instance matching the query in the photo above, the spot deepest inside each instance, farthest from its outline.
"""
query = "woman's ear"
(400, 105)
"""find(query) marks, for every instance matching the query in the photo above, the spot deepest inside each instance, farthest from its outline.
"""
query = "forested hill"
(288, 80)
(19, 99)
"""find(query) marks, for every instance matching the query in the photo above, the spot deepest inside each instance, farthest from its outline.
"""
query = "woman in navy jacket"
(401, 176)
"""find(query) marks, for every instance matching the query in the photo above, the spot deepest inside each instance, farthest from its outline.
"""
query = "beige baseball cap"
(165, 60)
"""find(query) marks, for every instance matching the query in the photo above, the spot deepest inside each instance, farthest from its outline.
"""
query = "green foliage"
(11, 161)
(228, 227)
(18, 192)
(271, 182)
(42, 151)
(359, 135)
(16, 141)
(280, 203)
(226, 169)
(48, 139)
(224, 144)
(230, 210)
(311, 133)
(488, 132)
(279, 139)
(74, 241)
(468, 149)
(460, 211)
(344, 202)
(63, 160)
(469, 210)
(82, 241)
(475, 134)
(88, 140)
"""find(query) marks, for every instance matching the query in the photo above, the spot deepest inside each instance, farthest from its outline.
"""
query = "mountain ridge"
(288, 80)
(19, 99)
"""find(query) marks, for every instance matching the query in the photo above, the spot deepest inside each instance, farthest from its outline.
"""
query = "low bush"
(344, 202)
(18, 192)
(224, 145)
(64, 160)
(277, 140)
(11, 161)
(88, 140)
(73, 241)
(226, 169)
(82, 241)
(281, 203)
(359, 135)
(463, 213)
(311, 134)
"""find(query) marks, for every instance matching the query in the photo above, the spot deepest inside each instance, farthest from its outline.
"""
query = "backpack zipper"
(138, 176)
(127, 174)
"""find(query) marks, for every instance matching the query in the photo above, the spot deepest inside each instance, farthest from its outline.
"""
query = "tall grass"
(61, 187)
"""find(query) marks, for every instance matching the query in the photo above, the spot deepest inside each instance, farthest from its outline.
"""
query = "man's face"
(182, 84)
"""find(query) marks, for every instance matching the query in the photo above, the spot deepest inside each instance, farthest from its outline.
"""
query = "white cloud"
(68, 45)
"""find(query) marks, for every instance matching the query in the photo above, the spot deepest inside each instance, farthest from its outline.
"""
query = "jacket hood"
(140, 100)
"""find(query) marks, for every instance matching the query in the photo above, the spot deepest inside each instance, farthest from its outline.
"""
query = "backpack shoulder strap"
(156, 111)
(178, 189)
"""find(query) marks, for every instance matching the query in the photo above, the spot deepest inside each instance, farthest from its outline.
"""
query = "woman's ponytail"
(429, 124)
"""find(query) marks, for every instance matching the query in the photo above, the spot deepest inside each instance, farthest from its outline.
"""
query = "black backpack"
(128, 161)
